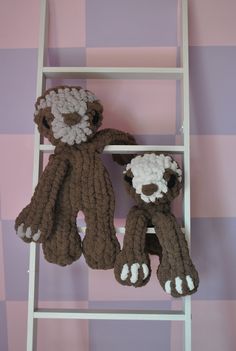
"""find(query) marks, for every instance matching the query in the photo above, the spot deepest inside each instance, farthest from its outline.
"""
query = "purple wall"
(138, 33)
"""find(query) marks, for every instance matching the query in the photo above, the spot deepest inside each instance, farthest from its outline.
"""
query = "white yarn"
(68, 101)
(134, 269)
(150, 169)
(178, 285)
(190, 282)
(134, 272)
(168, 287)
(145, 270)
(27, 233)
(124, 272)
(20, 232)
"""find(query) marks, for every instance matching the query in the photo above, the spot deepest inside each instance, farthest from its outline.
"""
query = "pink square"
(212, 22)
(25, 16)
(213, 190)
(67, 23)
(212, 327)
(16, 155)
(52, 334)
(131, 57)
(129, 104)
(16, 325)
(64, 334)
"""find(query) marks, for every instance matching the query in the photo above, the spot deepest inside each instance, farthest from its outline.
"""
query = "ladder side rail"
(184, 60)
(186, 127)
(34, 248)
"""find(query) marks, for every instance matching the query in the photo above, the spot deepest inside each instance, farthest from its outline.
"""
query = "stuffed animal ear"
(94, 112)
(44, 119)
(172, 178)
(122, 159)
(128, 176)
(174, 182)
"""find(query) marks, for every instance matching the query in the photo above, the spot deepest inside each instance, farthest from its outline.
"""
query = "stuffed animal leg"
(100, 244)
(35, 221)
(176, 272)
(63, 246)
(132, 266)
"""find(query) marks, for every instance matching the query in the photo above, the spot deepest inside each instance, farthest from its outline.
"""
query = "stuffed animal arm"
(34, 222)
(133, 265)
(154, 181)
(114, 137)
(74, 180)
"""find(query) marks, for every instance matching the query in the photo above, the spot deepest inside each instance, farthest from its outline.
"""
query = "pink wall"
(128, 32)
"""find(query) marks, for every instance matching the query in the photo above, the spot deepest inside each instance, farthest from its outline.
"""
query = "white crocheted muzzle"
(67, 101)
(149, 169)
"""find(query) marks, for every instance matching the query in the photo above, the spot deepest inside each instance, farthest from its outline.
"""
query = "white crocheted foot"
(27, 233)
(135, 273)
(176, 285)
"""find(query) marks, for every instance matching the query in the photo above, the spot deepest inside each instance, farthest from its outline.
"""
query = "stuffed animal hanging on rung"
(154, 181)
(74, 180)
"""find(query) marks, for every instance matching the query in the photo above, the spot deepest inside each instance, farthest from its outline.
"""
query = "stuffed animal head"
(152, 178)
(69, 115)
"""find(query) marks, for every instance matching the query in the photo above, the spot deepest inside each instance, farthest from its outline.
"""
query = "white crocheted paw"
(178, 285)
(133, 272)
(27, 233)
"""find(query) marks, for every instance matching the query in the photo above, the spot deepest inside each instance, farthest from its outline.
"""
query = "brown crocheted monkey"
(74, 180)
(154, 181)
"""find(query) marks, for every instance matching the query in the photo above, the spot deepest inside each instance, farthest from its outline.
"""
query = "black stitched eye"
(45, 123)
(95, 117)
(172, 181)
(128, 179)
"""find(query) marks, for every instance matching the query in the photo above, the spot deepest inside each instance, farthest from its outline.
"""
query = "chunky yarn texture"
(74, 180)
(154, 181)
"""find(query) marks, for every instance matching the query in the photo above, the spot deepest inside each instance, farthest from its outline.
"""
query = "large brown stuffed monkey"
(74, 180)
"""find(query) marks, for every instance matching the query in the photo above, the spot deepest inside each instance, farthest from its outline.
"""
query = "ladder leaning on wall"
(174, 73)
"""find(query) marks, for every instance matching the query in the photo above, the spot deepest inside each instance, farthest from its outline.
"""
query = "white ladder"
(182, 74)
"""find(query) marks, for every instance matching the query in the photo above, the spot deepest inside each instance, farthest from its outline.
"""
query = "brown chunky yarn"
(74, 180)
(154, 181)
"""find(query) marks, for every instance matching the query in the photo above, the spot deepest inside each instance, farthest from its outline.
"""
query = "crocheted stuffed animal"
(154, 181)
(74, 180)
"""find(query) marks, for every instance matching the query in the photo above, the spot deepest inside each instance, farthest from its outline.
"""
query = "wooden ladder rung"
(126, 149)
(174, 73)
(110, 314)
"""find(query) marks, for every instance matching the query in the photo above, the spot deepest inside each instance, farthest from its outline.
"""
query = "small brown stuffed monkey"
(74, 180)
(154, 181)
